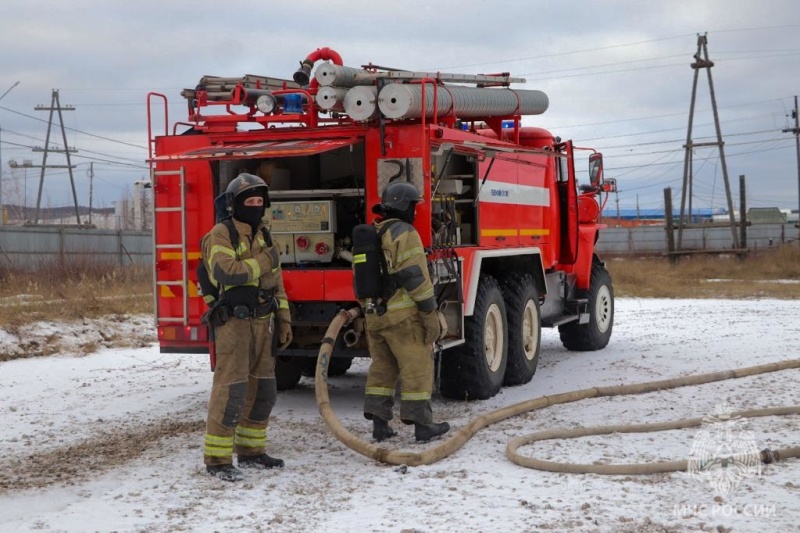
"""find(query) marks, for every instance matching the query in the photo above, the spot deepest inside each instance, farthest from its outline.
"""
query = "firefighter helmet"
(242, 183)
(399, 196)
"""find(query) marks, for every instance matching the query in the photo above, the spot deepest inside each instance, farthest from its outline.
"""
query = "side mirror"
(596, 169)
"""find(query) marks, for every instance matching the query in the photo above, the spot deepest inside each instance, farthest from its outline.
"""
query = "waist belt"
(247, 311)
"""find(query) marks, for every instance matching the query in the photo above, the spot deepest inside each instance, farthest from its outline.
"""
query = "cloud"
(617, 73)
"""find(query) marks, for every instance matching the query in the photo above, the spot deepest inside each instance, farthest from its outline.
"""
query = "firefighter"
(248, 275)
(401, 333)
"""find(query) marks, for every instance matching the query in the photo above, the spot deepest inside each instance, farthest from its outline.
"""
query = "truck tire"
(337, 366)
(524, 328)
(475, 370)
(288, 371)
(595, 334)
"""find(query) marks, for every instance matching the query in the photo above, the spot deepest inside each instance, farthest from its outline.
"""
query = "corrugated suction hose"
(460, 437)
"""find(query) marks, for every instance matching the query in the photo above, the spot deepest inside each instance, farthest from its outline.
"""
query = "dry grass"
(73, 291)
(86, 290)
(770, 273)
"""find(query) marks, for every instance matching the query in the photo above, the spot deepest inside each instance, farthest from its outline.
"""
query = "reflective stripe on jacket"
(252, 264)
(408, 265)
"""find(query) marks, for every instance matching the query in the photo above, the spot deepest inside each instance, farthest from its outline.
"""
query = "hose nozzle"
(303, 75)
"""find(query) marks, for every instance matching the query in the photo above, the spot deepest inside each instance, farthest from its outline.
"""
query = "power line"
(105, 154)
(617, 156)
(76, 130)
(652, 67)
(649, 117)
(558, 54)
(613, 46)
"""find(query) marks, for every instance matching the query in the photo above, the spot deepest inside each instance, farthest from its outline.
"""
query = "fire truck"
(509, 233)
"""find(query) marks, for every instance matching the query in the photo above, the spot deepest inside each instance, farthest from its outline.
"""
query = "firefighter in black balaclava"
(402, 334)
(254, 307)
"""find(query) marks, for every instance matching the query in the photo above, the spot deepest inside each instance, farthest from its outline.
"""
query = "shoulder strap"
(267, 236)
(233, 234)
(389, 284)
(385, 228)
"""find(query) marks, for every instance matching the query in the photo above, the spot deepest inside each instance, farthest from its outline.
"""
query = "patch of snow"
(112, 440)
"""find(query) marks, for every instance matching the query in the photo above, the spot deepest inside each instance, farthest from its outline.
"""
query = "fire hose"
(459, 438)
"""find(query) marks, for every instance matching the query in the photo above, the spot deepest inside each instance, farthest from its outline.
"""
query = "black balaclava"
(248, 214)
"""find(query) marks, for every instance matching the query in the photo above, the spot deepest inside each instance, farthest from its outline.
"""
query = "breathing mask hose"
(459, 438)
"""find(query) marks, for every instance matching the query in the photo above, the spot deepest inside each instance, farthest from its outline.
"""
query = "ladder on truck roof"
(183, 282)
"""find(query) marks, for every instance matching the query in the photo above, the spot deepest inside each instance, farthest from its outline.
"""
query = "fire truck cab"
(509, 234)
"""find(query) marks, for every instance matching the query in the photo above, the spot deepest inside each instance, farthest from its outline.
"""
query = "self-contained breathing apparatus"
(371, 279)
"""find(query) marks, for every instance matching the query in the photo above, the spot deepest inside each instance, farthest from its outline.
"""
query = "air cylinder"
(367, 274)
(401, 101)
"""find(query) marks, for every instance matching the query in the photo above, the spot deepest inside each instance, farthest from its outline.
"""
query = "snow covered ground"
(112, 441)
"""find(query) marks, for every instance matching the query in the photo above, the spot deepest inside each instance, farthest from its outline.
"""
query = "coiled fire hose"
(459, 438)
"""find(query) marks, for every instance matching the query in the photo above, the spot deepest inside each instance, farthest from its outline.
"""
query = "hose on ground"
(459, 438)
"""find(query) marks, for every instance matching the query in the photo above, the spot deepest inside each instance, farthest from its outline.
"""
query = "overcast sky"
(616, 72)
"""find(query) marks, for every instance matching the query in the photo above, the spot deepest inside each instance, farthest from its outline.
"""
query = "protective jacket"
(244, 389)
(397, 338)
(252, 264)
(408, 268)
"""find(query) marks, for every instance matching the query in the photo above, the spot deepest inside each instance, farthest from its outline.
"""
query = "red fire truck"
(509, 234)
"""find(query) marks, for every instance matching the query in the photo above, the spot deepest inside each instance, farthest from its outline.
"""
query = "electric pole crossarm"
(697, 145)
(56, 150)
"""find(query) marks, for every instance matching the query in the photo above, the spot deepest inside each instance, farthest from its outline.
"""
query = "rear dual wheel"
(524, 328)
(476, 369)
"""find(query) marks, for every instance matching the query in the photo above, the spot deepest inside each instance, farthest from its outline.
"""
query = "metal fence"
(31, 247)
(653, 239)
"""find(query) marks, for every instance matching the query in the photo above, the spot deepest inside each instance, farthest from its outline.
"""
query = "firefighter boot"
(425, 432)
(225, 472)
(260, 461)
(381, 429)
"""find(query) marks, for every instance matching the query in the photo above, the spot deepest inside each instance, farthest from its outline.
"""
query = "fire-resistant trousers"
(244, 390)
(398, 352)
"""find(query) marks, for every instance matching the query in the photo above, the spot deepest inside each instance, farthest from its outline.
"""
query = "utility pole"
(2, 210)
(55, 105)
(702, 61)
(91, 178)
(796, 131)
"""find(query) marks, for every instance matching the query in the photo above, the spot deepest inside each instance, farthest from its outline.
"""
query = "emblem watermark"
(716, 511)
(724, 453)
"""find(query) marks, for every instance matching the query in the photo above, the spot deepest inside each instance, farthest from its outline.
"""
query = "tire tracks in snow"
(75, 463)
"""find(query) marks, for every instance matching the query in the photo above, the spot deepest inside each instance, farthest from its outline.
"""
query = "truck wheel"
(595, 334)
(288, 371)
(475, 370)
(337, 366)
(524, 329)
(309, 368)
